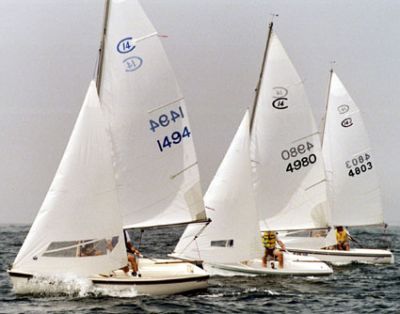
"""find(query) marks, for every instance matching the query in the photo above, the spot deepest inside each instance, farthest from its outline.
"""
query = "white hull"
(293, 266)
(336, 257)
(158, 277)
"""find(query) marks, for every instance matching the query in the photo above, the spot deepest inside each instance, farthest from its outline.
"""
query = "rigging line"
(198, 249)
(129, 227)
(140, 238)
(196, 236)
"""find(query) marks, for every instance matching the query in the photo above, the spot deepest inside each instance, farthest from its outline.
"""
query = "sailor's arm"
(281, 244)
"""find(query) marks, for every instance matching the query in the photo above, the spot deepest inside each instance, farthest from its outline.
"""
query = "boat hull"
(336, 257)
(158, 277)
(293, 266)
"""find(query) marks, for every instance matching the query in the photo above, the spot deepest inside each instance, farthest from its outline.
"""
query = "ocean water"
(354, 288)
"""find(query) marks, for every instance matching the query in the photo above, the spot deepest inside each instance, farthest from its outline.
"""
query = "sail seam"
(302, 138)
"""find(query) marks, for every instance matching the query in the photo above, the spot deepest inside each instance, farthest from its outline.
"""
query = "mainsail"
(154, 157)
(289, 178)
(78, 229)
(233, 235)
(354, 194)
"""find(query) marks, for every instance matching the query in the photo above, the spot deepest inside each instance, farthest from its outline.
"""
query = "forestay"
(354, 192)
(155, 161)
(289, 179)
(78, 229)
(233, 235)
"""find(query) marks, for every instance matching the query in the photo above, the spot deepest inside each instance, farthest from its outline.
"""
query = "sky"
(48, 55)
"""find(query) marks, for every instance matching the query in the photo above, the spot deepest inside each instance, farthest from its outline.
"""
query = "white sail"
(354, 192)
(155, 161)
(78, 229)
(289, 178)
(233, 234)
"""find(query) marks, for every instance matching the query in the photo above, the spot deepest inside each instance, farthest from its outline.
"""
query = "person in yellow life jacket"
(270, 239)
(342, 239)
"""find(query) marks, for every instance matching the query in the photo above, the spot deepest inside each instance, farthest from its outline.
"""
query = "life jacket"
(341, 237)
(269, 239)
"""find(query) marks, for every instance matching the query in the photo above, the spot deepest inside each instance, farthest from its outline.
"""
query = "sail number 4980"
(297, 152)
(294, 151)
(301, 163)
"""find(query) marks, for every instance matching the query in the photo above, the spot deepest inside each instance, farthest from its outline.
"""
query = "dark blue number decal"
(164, 119)
(125, 45)
(153, 125)
(175, 138)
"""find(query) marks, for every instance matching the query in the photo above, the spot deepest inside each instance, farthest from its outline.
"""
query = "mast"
(101, 49)
(326, 107)
(261, 74)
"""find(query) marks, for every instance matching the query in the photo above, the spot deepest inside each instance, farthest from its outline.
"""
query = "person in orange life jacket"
(342, 239)
(269, 240)
(132, 253)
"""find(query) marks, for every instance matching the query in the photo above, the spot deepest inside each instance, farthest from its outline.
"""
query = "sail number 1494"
(168, 119)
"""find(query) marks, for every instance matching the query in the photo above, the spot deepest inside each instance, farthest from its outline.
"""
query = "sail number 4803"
(358, 165)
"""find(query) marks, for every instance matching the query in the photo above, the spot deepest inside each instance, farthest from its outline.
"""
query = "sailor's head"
(339, 228)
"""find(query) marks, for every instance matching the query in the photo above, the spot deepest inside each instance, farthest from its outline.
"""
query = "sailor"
(132, 254)
(342, 239)
(269, 240)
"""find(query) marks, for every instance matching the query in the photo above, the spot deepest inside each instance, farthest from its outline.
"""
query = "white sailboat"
(232, 241)
(130, 162)
(289, 178)
(354, 193)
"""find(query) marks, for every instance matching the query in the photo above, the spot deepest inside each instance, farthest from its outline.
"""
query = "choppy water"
(352, 289)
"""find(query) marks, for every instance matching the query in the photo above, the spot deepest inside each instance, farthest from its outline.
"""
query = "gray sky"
(49, 49)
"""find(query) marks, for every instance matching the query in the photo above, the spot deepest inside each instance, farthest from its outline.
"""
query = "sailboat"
(353, 187)
(232, 241)
(130, 163)
(289, 179)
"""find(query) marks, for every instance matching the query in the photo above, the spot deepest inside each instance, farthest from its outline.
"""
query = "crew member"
(342, 239)
(269, 240)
